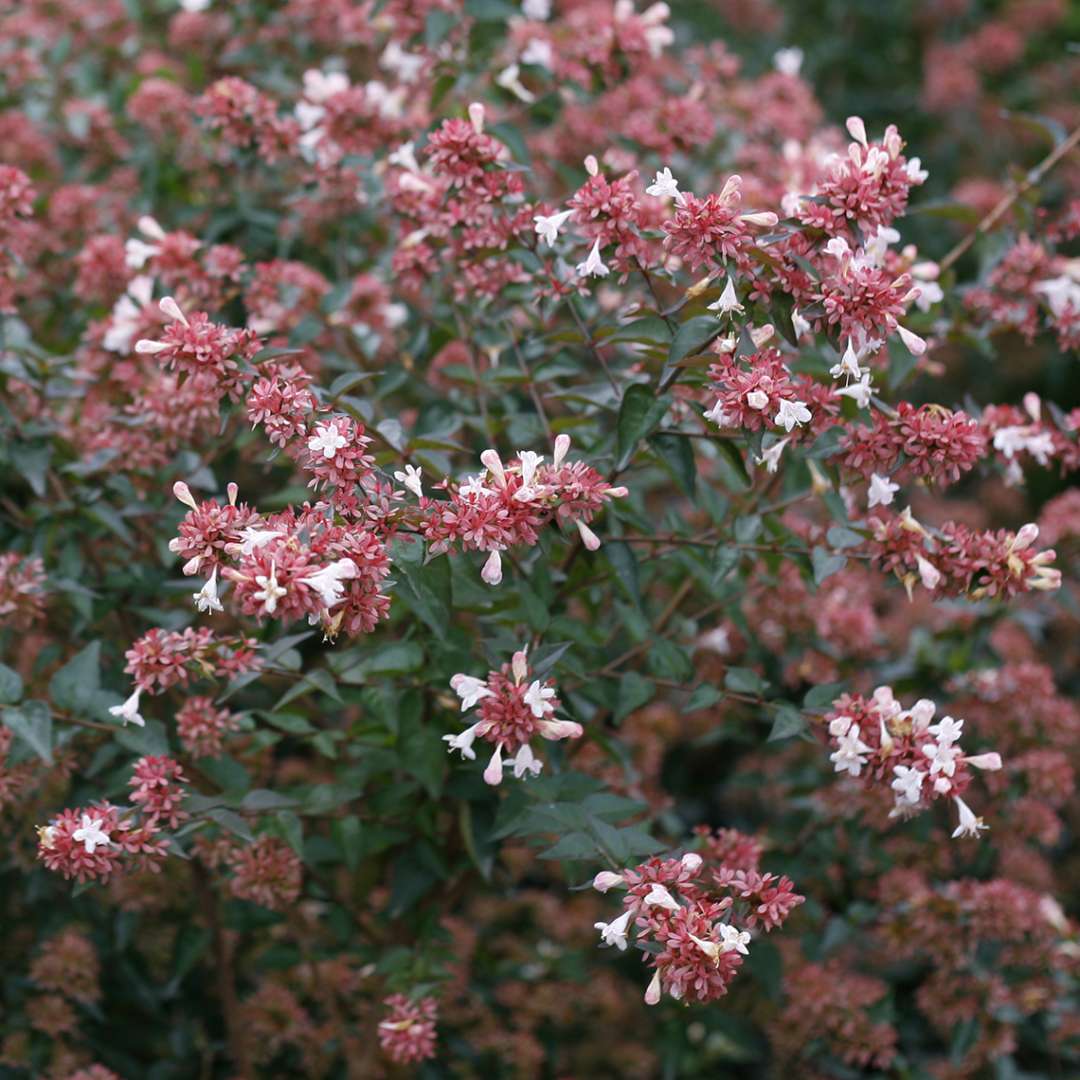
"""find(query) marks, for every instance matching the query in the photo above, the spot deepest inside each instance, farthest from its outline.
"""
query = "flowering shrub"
(485, 481)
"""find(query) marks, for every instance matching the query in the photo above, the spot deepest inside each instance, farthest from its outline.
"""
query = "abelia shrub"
(461, 452)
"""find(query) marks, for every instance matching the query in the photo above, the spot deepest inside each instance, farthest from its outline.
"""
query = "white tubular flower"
(519, 665)
(410, 478)
(860, 392)
(526, 763)
(770, 456)
(849, 365)
(857, 130)
(251, 539)
(691, 861)
(947, 730)
(463, 742)
(538, 698)
(588, 537)
(728, 301)
(530, 462)
(593, 266)
(206, 599)
(493, 774)
(652, 993)
(183, 493)
(665, 186)
(493, 463)
(851, 752)
(492, 571)
(734, 939)
(908, 784)
(991, 762)
(929, 574)
(970, 824)
(129, 711)
(791, 414)
(614, 933)
(91, 834)
(881, 492)
(607, 880)
(554, 730)
(757, 399)
(510, 79)
(270, 592)
(658, 896)
(327, 582)
(788, 61)
(470, 689)
(912, 342)
(327, 440)
(547, 228)
(562, 448)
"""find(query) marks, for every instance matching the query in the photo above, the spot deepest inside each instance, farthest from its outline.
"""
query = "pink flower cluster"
(267, 872)
(291, 565)
(694, 927)
(878, 740)
(508, 504)
(93, 843)
(959, 561)
(407, 1034)
(202, 726)
(514, 708)
(165, 658)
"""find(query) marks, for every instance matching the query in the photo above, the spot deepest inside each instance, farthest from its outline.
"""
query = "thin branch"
(1033, 179)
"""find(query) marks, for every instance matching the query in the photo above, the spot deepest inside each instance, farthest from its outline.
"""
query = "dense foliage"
(486, 480)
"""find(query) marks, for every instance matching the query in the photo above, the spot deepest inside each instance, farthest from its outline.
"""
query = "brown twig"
(1033, 179)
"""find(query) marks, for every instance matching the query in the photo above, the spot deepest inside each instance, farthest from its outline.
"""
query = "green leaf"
(11, 685)
(33, 464)
(819, 697)
(839, 536)
(232, 822)
(425, 590)
(624, 564)
(639, 414)
(348, 834)
(634, 692)
(789, 722)
(702, 698)
(75, 686)
(32, 723)
(826, 564)
(677, 452)
(291, 829)
(574, 845)
(651, 330)
(743, 681)
(692, 338)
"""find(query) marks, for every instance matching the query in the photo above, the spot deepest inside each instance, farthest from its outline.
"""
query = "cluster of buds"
(93, 843)
(199, 347)
(958, 561)
(287, 566)
(694, 927)
(508, 504)
(407, 1034)
(165, 658)
(514, 707)
(877, 739)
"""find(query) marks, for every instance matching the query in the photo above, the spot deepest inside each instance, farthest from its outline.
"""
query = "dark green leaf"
(639, 414)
